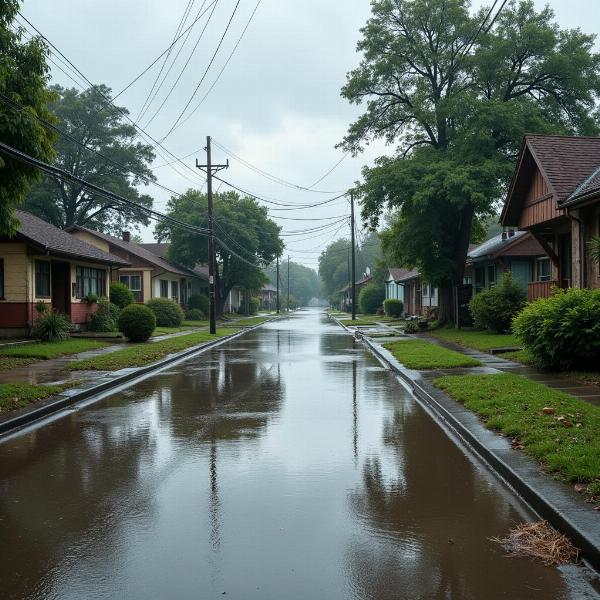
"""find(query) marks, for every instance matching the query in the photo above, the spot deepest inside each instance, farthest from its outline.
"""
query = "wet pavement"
(285, 464)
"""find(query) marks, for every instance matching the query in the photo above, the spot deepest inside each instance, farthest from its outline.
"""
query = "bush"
(411, 327)
(137, 322)
(195, 314)
(199, 301)
(120, 295)
(371, 297)
(167, 312)
(52, 327)
(91, 298)
(106, 316)
(253, 305)
(562, 331)
(393, 307)
(495, 308)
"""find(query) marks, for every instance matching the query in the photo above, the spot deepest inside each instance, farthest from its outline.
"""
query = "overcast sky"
(277, 104)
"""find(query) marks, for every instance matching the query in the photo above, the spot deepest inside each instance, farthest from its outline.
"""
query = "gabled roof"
(496, 245)
(162, 248)
(136, 250)
(268, 287)
(57, 242)
(398, 274)
(564, 161)
(408, 274)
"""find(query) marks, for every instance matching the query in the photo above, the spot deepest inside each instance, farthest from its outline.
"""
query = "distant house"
(516, 252)
(345, 294)
(555, 195)
(407, 285)
(393, 288)
(234, 300)
(44, 264)
(148, 275)
(268, 296)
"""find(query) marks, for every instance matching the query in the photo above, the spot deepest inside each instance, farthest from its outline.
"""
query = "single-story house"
(418, 296)
(517, 252)
(148, 274)
(44, 264)
(268, 296)
(393, 288)
(234, 300)
(345, 293)
(555, 195)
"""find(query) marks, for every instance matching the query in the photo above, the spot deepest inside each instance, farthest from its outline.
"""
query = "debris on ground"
(539, 541)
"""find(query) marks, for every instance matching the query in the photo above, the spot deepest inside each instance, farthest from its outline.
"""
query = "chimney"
(126, 236)
(504, 235)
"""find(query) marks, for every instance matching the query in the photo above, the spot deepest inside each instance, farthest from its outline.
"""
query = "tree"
(456, 105)
(246, 239)
(304, 282)
(23, 97)
(114, 161)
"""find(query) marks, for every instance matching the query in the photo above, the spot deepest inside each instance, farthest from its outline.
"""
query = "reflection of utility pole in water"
(214, 502)
(354, 412)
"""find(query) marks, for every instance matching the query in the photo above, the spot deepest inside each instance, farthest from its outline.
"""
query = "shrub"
(194, 314)
(167, 312)
(371, 297)
(52, 327)
(91, 298)
(253, 305)
(137, 322)
(495, 308)
(120, 295)
(411, 327)
(562, 331)
(41, 307)
(393, 307)
(106, 316)
(199, 301)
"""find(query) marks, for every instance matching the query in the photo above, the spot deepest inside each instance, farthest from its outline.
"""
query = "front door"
(564, 258)
(60, 282)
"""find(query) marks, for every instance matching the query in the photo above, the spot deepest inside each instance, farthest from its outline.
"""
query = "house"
(44, 264)
(419, 297)
(393, 288)
(555, 195)
(148, 275)
(345, 293)
(234, 300)
(517, 252)
(268, 296)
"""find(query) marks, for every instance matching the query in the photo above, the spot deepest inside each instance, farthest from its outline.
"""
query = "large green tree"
(113, 160)
(304, 281)
(246, 239)
(455, 99)
(23, 97)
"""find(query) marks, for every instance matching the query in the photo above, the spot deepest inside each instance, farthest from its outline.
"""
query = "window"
(1, 279)
(134, 282)
(468, 280)
(491, 275)
(90, 281)
(164, 288)
(479, 279)
(174, 290)
(425, 290)
(42, 279)
(543, 269)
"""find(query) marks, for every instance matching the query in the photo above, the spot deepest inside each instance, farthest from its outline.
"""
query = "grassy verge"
(249, 322)
(187, 323)
(138, 355)
(416, 354)
(17, 395)
(350, 323)
(48, 350)
(14, 362)
(565, 438)
(471, 338)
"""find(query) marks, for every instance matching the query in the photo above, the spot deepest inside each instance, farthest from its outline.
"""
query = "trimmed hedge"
(562, 331)
(393, 307)
(120, 295)
(199, 301)
(371, 298)
(167, 312)
(253, 305)
(137, 322)
(195, 314)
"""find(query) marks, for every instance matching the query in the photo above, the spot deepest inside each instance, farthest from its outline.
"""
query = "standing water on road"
(284, 464)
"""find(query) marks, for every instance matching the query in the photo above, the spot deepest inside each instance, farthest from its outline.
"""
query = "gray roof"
(57, 242)
(494, 244)
(162, 248)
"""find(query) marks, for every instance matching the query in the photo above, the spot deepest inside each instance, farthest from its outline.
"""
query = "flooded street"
(285, 464)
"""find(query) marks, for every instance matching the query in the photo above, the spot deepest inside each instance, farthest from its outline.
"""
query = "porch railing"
(540, 289)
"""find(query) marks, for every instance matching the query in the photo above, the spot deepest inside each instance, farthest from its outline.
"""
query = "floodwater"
(285, 464)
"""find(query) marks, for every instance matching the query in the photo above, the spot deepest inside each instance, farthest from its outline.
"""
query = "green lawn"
(47, 350)
(417, 354)
(14, 362)
(480, 340)
(566, 442)
(137, 355)
(18, 395)
(357, 322)
(248, 322)
(187, 323)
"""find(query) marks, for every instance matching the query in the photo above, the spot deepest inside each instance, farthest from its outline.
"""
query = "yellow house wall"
(146, 280)
(15, 266)
(92, 239)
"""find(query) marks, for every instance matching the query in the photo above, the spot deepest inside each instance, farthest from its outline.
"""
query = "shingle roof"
(408, 274)
(60, 243)
(589, 187)
(268, 287)
(399, 274)
(162, 248)
(137, 250)
(495, 245)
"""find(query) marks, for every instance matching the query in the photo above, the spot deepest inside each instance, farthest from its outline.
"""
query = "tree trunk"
(446, 312)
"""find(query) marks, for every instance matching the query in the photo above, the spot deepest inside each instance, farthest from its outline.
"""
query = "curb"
(12, 425)
(552, 500)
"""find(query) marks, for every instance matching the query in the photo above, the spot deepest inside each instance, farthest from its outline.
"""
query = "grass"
(48, 350)
(566, 441)
(203, 323)
(138, 355)
(17, 395)
(248, 322)
(471, 338)
(417, 354)
(14, 362)
(357, 322)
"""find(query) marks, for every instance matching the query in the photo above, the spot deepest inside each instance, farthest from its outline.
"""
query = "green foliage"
(253, 305)
(82, 114)
(480, 340)
(393, 307)
(24, 75)
(411, 327)
(52, 327)
(562, 331)
(304, 282)
(120, 294)
(41, 307)
(194, 314)
(137, 322)
(371, 298)
(167, 312)
(595, 249)
(91, 298)
(48, 350)
(106, 316)
(199, 301)
(495, 308)
(18, 395)
(417, 354)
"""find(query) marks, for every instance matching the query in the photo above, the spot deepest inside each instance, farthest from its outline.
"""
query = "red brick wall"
(81, 312)
(14, 314)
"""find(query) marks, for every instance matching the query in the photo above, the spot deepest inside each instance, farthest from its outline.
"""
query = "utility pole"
(288, 285)
(209, 169)
(278, 284)
(353, 273)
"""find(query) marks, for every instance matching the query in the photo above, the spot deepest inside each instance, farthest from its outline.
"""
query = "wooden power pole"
(278, 284)
(353, 270)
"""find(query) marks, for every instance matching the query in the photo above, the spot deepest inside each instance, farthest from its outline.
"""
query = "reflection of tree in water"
(431, 516)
